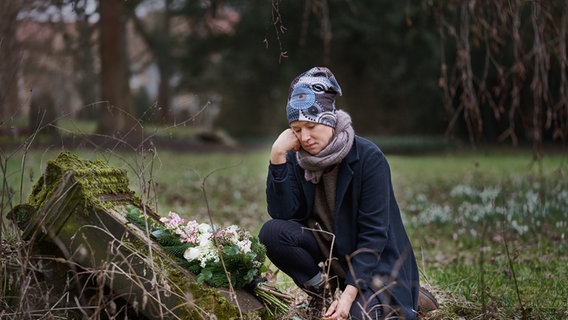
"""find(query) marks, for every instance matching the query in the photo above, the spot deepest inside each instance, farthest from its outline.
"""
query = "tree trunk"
(42, 117)
(117, 113)
(85, 71)
(158, 42)
(9, 60)
(164, 94)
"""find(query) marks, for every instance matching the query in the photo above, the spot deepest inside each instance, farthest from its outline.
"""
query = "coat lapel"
(345, 175)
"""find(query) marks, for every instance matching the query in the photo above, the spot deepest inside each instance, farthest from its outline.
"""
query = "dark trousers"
(293, 249)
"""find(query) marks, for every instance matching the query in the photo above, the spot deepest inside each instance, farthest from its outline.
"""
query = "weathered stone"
(79, 207)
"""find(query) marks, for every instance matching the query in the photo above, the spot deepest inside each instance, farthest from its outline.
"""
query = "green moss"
(195, 299)
(95, 178)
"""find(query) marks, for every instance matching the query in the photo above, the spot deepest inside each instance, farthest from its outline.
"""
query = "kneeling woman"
(335, 220)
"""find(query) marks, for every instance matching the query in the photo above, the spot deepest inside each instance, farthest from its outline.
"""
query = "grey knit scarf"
(333, 153)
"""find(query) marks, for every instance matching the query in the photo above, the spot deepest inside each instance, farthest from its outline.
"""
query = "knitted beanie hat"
(312, 97)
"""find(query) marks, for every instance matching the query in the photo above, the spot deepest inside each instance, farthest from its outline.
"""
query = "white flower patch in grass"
(521, 206)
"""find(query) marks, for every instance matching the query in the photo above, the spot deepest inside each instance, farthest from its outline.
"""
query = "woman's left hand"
(339, 309)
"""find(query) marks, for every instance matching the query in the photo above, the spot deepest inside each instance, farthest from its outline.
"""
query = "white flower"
(204, 240)
(204, 228)
(244, 246)
(192, 254)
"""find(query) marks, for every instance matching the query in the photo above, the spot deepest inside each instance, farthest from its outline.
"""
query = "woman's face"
(313, 137)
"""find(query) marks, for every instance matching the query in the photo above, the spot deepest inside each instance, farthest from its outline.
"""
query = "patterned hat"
(312, 97)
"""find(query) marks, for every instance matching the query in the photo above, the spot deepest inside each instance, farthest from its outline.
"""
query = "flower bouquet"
(215, 254)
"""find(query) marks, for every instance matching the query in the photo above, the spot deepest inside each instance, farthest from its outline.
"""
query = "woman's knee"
(280, 232)
(267, 232)
(271, 232)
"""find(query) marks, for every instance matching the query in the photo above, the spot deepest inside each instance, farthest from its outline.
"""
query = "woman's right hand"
(285, 142)
(339, 309)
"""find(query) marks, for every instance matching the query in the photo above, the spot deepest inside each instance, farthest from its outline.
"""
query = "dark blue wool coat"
(370, 239)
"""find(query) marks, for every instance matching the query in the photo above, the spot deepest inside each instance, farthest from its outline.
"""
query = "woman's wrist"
(349, 294)
(277, 156)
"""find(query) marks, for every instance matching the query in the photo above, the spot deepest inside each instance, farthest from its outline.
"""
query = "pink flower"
(189, 233)
(174, 221)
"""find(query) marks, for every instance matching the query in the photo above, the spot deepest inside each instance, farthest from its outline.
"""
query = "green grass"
(461, 239)
(541, 290)
(68, 126)
(463, 258)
